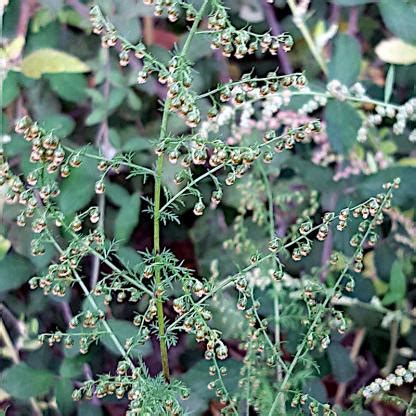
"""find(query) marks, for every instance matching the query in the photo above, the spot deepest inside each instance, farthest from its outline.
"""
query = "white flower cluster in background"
(400, 376)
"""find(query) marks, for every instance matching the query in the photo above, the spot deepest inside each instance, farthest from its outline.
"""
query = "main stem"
(156, 248)
(156, 216)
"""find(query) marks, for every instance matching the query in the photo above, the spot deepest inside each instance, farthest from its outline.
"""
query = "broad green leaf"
(23, 382)
(61, 124)
(397, 286)
(116, 194)
(404, 196)
(123, 330)
(314, 387)
(10, 89)
(129, 257)
(79, 188)
(72, 366)
(51, 61)
(96, 116)
(346, 60)
(343, 123)
(400, 16)
(396, 51)
(63, 394)
(5, 245)
(21, 238)
(197, 379)
(343, 369)
(127, 218)
(134, 100)
(116, 97)
(318, 177)
(14, 271)
(384, 258)
(70, 87)
(199, 48)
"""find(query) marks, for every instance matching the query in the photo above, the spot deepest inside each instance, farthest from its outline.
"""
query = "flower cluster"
(400, 376)
(252, 107)
(242, 42)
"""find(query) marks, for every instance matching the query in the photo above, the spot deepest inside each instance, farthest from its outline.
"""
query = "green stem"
(156, 216)
(156, 248)
(94, 305)
(302, 347)
(230, 279)
(300, 23)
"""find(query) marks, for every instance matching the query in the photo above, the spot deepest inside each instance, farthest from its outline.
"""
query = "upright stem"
(156, 215)
(156, 248)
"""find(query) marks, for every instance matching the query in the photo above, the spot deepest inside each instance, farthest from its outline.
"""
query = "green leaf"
(345, 63)
(388, 88)
(70, 87)
(123, 330)
(314, 387)
(88, 409)
(116, 97)
(343, 123)
(72, 366)
(10, 89)
(61, 124)
(134, 100)
(23, 382)
(397, 286)
(404, 196)
(400, 16)
(51, 61)
(96, 116)
(127, 218)
(14, 271)
(343, 369)
(79, 188)
(199, 48)
(197, 379)
(129, 257)
(63, 394)
(116, 194)
(5, 245)
(318, 177)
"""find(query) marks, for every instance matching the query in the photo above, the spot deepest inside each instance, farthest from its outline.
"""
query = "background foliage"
(53, 68)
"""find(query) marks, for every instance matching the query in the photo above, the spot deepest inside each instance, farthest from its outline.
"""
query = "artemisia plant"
(269, 380)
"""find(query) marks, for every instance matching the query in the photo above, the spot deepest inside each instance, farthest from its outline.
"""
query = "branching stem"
(156, 216)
